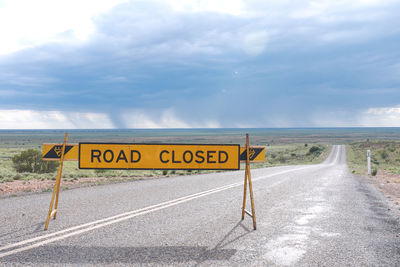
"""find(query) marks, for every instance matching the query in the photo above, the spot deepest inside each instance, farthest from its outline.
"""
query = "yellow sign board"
(158, 156)
(53, 152)
(256, 154)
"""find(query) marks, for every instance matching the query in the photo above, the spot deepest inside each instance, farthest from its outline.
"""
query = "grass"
(294, 154)
(385, 156)
(71, 171)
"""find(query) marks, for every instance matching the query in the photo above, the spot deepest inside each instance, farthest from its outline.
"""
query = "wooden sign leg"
(253, 211)
(247, 178)
(56, 189)
(244, 193)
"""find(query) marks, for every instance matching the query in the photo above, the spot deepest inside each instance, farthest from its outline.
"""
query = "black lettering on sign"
(95, 154)
(138, 155)
(173, 158)
(122, 156)
(210, 156)
(199, 155)
(110, 158)
(187, 152)
(220, 156)
(161, 156)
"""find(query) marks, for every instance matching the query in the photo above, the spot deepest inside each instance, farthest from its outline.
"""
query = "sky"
(199, 64)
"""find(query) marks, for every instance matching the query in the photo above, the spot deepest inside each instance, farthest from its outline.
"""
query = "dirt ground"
(388, 184)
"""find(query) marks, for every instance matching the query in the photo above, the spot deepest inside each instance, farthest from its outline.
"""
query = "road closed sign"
(158, 156)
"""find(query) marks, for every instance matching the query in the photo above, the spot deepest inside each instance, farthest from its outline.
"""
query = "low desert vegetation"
(30, 160)
(385, 156)
(292, 154)
(26, 164)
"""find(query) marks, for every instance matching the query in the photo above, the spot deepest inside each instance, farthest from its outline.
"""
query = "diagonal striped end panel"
(53, 152)
(256, 154)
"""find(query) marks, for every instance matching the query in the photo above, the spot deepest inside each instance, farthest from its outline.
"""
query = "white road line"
(145, 211)
(98, 221)
(59, 235)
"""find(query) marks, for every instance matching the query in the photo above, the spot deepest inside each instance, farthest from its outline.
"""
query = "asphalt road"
(311, 215)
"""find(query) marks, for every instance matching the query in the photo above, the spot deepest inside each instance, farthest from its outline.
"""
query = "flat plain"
(283, 147)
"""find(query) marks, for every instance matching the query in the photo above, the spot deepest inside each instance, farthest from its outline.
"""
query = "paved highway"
(310, 215)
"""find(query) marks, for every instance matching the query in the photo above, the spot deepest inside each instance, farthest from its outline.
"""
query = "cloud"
(25, 23)
(231, 7)
(255, 43)
(31, 119)
(370, 117)
(206, 63)
(164, 119)
(381, 117)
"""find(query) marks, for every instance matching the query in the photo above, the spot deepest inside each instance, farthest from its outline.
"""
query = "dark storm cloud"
(274, 65)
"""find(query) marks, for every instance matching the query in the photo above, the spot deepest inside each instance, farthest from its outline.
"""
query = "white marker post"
(369, 161)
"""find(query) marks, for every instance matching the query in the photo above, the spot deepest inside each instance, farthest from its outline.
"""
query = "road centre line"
(103, 220)
(127, 215)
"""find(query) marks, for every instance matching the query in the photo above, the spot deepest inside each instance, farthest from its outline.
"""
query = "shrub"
(374, 160)
(7, 179)
(374, 172)
(383, 154)
(31, 161)
(314, 149)
(164, 172)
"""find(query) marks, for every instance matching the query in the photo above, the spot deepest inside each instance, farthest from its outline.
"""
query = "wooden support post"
(247, 178)
(244, 193)
(56, 189)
